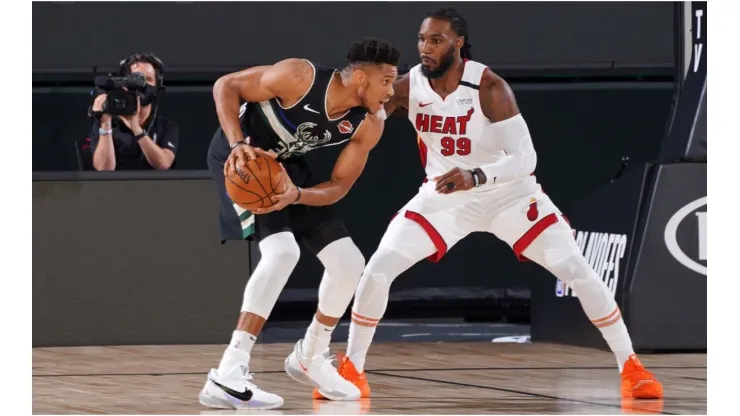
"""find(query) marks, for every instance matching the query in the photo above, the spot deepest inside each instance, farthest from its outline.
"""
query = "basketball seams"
(245, 190)
(237, 185)
(256, 178)
(241, 186)
(269, 173)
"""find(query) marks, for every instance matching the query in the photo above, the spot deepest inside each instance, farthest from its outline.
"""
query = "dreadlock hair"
(372, 51)
(458, 24)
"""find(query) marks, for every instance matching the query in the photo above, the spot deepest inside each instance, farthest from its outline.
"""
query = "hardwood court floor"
(418, 378)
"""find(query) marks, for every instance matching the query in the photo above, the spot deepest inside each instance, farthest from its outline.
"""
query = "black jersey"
(302, 127)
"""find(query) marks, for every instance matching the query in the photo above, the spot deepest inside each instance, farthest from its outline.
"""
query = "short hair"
(457, 23)
(373, 51)
(139, 57)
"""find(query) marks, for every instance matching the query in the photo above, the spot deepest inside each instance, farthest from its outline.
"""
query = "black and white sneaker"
(236, 391)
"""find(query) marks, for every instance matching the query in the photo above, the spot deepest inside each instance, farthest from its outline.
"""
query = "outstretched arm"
(348, 167)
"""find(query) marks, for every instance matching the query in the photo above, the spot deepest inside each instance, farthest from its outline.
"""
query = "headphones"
(125, 65)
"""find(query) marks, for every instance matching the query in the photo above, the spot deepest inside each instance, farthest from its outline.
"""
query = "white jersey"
(454, 132)
(451, 131)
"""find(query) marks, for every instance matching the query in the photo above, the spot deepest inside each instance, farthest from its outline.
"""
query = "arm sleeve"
(513, 137)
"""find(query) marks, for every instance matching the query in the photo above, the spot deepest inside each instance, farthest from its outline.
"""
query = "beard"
(445, 64)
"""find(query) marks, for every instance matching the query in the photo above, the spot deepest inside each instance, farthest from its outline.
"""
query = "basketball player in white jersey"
(479, 160)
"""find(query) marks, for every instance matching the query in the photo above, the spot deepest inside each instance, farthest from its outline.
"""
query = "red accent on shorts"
(437, 240)
(532, 234)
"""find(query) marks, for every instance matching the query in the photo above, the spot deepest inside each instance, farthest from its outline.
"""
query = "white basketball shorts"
(516, 214)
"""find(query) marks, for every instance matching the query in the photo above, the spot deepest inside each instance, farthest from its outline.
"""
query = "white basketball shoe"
(319, 372)
(236, 391)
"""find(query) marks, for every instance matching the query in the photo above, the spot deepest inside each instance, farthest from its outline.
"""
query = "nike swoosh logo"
(307, 108)
(244, 396)
(424, 105)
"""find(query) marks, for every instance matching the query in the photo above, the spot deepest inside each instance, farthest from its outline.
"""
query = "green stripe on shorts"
(246, 219)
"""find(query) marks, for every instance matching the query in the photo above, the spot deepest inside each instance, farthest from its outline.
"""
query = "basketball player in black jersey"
(293, 107)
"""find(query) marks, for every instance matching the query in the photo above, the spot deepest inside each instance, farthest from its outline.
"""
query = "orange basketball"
(252, 187)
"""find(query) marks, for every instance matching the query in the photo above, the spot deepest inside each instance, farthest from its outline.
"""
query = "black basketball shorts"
(315, 227)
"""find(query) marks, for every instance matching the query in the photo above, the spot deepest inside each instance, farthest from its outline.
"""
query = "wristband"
(102, 131)
(246, 141)
(476, 179)
(140, 136)
(299, 196)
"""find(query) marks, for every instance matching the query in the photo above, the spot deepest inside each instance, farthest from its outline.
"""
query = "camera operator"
(126, 132)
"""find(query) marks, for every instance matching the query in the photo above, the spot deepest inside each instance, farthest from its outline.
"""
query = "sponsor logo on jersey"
(604, 252)
(679, 246)
(464, 101)
(345, 127)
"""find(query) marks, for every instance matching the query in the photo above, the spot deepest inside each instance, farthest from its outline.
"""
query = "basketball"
(252, 187)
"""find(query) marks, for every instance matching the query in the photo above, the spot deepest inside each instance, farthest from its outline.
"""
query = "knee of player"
(343, 258)
(380, 279)
(573, 269)
(356, 261)
(288, 252)
(376, 275)
(352, 263)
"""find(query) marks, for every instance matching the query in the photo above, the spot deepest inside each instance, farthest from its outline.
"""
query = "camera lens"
(118, 103)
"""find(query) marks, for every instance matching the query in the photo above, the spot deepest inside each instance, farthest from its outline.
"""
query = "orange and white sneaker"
(638, 383)
(348, 371)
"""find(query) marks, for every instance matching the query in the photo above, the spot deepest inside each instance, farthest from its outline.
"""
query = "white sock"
(615, 334)
(317, 339)
(237, 353)
(599, 305)
(243, 340)
(557, 246)
(360, 338)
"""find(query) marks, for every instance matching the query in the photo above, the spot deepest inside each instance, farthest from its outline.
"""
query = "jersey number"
(450, 146)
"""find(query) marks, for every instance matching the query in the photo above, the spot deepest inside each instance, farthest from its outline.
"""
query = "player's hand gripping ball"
(288, 196)
(252, 182)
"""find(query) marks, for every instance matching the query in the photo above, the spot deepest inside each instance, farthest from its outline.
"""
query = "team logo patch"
(532, 212)
(345, 127)
(305, 139)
